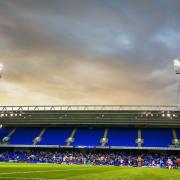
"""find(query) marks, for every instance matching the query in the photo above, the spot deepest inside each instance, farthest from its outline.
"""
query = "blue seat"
(178, 133)
(24, 136)
(4, 132)
(122, 137)
(88, 137)
(55, 136)
(153, 137)
(157, 137)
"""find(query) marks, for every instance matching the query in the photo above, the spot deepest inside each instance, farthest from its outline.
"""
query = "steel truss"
(91, 108)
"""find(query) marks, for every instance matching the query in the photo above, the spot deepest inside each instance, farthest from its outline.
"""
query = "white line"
(29, 178)
(27, 172)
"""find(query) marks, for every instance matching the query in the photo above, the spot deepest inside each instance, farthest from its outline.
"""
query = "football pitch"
(20, 171)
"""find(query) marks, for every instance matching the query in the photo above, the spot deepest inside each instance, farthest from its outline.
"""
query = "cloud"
(89, 52)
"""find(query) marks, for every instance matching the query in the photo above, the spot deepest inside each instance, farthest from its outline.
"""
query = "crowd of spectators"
(159, 160)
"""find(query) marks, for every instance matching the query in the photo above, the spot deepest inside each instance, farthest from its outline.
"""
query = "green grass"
(20, 171)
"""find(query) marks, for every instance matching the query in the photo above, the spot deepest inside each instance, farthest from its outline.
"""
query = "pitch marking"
(29, 178)
(27, 172)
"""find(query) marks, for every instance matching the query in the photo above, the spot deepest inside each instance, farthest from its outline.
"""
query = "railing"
(91, 108)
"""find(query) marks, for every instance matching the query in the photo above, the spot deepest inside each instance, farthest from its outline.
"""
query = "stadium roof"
(92, 108)
(89, 115)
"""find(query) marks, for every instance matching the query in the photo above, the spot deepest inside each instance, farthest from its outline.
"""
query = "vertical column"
(39, 137)
(71, 138)
(175, 140)
(139, 140)
(7, 138)
(104, 140)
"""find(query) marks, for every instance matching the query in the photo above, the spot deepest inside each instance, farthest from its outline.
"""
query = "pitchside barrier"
(92, 147)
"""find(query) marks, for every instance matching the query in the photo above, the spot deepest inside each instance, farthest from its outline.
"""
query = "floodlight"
(168, 114)
(177, 66)
(1, 126)
(2, 115)
(1, 69)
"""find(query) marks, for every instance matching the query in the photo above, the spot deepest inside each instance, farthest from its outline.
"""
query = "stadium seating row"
(88, 136)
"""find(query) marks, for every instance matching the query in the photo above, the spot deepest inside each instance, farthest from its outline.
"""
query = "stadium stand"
(72, 135)
(125, 137)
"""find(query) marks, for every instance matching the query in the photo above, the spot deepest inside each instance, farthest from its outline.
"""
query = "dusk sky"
(89, 52)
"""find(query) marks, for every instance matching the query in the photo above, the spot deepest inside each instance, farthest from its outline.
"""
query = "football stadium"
(89, 89)
(83, 142)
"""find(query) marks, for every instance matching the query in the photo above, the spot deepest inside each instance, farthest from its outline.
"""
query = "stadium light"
(174, 115)
(177, 66)
(2, 114)
(177, 71)
(1, 69)
(163, 115)
(1, 126)
(12, 114)
(168, 114)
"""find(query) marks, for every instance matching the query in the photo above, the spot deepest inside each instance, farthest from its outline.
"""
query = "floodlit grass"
(20, 171)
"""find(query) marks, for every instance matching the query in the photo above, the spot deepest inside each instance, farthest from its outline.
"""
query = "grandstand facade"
(101, 127)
